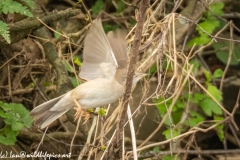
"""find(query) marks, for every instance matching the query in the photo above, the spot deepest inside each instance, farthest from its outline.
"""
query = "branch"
(22, 28)
(131, 70)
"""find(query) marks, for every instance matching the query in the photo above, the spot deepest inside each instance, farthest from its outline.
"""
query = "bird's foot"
(78, 114)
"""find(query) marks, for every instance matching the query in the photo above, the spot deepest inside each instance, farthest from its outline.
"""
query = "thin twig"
(131, 69)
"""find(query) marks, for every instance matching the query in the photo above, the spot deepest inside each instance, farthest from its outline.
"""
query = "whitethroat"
(104, 67)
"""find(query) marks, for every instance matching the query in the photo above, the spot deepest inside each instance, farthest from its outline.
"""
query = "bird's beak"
(138, 76)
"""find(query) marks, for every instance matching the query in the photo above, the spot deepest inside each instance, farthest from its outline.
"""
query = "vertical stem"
(131, 69)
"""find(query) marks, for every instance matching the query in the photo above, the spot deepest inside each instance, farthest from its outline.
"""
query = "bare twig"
(131, 69)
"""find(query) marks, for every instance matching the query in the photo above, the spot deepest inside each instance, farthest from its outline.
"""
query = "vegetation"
(190, 51)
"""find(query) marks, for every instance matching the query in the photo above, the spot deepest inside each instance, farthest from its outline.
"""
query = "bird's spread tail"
(42, 114)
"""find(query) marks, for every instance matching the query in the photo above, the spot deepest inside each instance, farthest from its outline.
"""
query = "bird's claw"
(85, 114)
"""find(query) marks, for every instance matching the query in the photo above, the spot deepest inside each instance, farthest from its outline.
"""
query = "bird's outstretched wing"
(119, 47)
(98, 58)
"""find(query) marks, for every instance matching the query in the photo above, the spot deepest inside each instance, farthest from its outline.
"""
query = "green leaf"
(223, 55)
(9, 136)
(16, 126)
(170, 158)
(97, 7)
(7, 141)
(209, 107)
(57, 34)
(207, 75)
(74, 82)
(195, 119)
(179, 104)
(120, 6)
(16, 113)
(219, 128)
(201, 40)
(11, 120)
(132, 22)
(29, 3)
(170, 133)
(153, 69)
(108, 27)
(167, 121)
(27, 121)
(68, 67)
(161, 107)
(24, 117)
(214, 92)
(4, 31)
(208, 26)
(156, 149)
(217, 73)
(216, 8)
(10, 133)
(10, 6)
(198, 97)
(4, 114)
(15, 116)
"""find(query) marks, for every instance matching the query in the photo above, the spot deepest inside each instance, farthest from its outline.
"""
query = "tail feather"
(47, 117)
(45, 106)
(43, 116)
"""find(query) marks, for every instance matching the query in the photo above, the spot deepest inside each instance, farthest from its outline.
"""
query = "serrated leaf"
(11, 120)
(8, 137)
(4, 31)
(6, 107)
(217, 73)
(198, 97)
(201, 40)
(217, 8)
(170, 133)
(215, 92)
(167, 121)
(16, 113)
(4, 115)
(209, 107)
(7, 141)
(16, 126)
(161, 107)
(29, 3)
(208, 26)
(195, 119)
(179, 104)
(10, 6)
(23, 113)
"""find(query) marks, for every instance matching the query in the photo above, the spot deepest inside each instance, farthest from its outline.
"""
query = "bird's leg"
(79, 109)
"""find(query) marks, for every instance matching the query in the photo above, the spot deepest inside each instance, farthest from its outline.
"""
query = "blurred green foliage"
(15, 117)
(11, 6)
